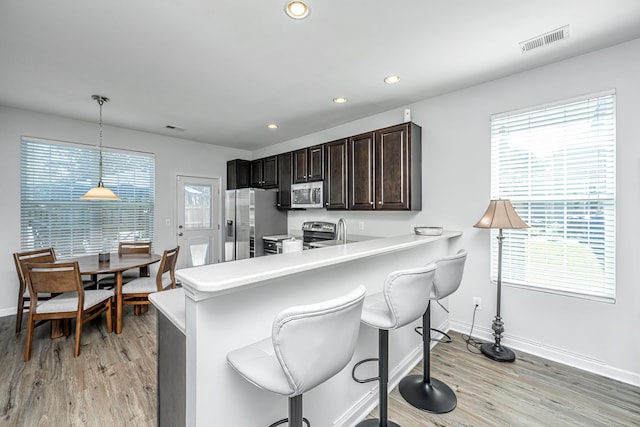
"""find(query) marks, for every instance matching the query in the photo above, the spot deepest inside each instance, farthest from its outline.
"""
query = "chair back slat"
(168, 265)
(21, 258)
(134, 248)
(54, 278)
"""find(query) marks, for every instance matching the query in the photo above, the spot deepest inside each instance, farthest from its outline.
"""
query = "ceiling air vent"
(545, 39)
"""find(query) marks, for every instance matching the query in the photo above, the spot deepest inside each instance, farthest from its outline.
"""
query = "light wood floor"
(113, 383)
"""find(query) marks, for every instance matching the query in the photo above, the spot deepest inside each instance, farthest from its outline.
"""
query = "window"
(557, 165)
(53, 177)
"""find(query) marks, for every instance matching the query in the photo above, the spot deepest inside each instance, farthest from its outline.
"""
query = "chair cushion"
(258, 364)
(145, 285)
(69, 301)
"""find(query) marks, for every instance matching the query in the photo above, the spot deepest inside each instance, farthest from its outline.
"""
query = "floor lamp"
(500, 214)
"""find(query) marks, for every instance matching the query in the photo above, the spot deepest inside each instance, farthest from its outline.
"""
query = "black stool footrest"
(374, 422)
(418, 330)
(286, 420)
(433, 396)
(366, 380)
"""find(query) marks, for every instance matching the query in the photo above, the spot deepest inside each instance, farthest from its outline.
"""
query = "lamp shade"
(500, 214)
(100, 193)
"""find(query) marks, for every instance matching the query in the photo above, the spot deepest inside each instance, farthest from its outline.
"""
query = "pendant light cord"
(100, 102)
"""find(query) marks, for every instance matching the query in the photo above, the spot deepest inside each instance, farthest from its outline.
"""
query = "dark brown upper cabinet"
(285, 178)
(335, 173)
(385, 169)
(238, 174)
(264, 173)
(308, 164)
(361, 173)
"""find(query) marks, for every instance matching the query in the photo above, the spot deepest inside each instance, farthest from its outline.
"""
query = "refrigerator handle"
(229, 228)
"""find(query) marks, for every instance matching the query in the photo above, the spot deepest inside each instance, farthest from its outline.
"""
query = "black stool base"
(435, 397)
(374, 422)
(499, 353)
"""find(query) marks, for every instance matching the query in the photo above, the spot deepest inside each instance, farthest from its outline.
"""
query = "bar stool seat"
(404, 298)
(308, 345)
(422, 391)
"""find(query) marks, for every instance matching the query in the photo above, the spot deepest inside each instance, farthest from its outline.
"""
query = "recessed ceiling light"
(297, 9)
(340, 100)
(272, 126)
(392, 79)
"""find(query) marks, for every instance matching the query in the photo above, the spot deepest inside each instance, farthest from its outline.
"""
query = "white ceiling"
(223, 70)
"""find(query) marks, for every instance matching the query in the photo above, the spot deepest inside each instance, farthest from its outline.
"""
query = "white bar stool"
(404, 298)
(422, 391)
(309, 344)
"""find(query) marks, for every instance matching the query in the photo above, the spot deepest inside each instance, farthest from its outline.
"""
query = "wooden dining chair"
(128, 248)
(71, 300)
(137, 291)
(24, 297)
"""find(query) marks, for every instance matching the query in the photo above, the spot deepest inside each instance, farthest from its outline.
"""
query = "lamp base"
(499, 353)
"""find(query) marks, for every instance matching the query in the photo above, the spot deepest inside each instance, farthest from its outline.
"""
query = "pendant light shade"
(100, 192)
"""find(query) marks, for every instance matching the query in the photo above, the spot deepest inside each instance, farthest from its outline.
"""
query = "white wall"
(173, 157)
(597, 336)
(456, 176)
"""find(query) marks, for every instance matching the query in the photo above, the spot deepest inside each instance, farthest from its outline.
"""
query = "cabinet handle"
(380, 202)
(371, 203)
(326, 204)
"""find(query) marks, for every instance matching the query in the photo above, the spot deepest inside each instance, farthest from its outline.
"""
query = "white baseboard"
(4, 312)
(369, 401)
(555, 354)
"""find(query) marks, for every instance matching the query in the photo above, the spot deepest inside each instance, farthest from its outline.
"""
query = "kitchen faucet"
(341, 232)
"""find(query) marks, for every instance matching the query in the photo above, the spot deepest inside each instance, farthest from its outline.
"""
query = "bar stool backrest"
(448, 274)
(407, 294)
(315, 342)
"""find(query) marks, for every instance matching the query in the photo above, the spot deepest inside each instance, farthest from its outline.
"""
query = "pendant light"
(100, 192)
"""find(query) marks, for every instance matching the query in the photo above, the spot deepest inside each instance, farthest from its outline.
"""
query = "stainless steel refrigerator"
(250, 213)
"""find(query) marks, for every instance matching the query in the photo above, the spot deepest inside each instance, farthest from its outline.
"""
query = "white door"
(198, 220)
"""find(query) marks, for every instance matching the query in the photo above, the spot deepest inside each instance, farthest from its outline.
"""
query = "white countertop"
(219, 279)
(171, 304)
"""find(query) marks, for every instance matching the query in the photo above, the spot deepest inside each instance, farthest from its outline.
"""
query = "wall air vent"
(172, 127)
(545, 39)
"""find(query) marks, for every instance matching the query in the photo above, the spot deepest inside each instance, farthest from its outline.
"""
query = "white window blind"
(557, 165)
(55, 175)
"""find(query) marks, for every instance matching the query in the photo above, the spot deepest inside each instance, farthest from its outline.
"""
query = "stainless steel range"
(316, 231)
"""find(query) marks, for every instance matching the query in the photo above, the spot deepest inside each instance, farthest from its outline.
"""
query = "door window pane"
(197, 206)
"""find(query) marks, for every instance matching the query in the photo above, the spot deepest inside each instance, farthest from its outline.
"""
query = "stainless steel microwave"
(307, 195)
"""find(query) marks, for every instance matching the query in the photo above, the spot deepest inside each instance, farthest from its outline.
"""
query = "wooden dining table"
(117, 264)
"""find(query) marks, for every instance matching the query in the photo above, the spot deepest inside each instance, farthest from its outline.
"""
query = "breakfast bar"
(229, 305)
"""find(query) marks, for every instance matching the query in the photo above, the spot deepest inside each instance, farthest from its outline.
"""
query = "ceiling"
(223, 70)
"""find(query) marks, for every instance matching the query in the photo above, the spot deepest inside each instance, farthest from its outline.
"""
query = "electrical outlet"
(477, 301)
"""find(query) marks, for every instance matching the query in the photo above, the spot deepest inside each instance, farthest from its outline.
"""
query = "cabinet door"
(315, 161)
(300, 166)
(392, 162)
(361, 178)
(285, 177)
(335, 188)
(238, 174)
(256, 174)
(269, 172)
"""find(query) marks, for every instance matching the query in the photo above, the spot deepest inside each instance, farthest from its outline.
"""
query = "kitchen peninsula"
(229, 305)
